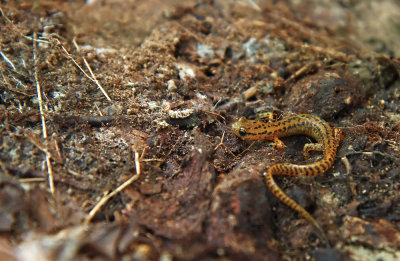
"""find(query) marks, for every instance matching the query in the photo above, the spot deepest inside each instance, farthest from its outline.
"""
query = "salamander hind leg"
(266, 116)
(338, 134)
(311, 147)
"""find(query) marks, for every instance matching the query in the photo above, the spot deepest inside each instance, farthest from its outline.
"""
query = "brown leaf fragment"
(7, 252)
(376, 234)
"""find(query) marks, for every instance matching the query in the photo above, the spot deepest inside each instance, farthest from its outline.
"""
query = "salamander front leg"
(277, 144)
(311, 147)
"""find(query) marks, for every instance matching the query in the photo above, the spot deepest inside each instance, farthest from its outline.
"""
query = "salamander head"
(239, 127)
(255, 130)
(247, 129)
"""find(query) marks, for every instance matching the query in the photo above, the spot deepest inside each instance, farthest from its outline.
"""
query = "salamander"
(327, 137)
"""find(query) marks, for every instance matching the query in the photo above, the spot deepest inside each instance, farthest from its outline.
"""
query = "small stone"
(180, 114)
(172, 86)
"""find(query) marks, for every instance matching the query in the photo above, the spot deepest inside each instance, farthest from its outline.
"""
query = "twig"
(346, 164)
(107, 197)
(31, 180)
(216, 104)
(93, 79)
(371, 153)
(253, 4)
(307, 68)
(54, 153)
(7, 60)
(72, 59)
(199, 39)
(144, 150)
(20, 83)
(216, 114)
(5, 168)
(75, 173)
(3, 14)
(247, 94)
(98, 109)
(329, 52)
(91, 72)
(44, 129)
(221, 143)
(150, 160)
(248, 148)
(58, 150)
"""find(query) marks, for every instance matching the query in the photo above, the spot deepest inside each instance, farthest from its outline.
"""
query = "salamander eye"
(242, 132)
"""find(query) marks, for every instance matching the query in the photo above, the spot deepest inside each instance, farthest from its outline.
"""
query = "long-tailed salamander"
(327, 137)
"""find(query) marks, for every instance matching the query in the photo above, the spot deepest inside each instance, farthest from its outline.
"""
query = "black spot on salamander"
(323, 164)
(326, 127)
(318, 133)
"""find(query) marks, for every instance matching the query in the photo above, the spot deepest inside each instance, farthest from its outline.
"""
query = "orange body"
(327, 138)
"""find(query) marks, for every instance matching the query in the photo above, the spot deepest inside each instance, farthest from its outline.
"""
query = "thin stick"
(150, 160)
(44, 129)
(251, 145)
(247, 94)
(3, 14)
(216, 114)
(253, 4)
(303, 70)
(107, 197)
(221, 143)
(347, 164)
(31, 180)
(330, 52)
(7, 60)
(94, 79)
(98, 109)
(72, 59)
(39, 94)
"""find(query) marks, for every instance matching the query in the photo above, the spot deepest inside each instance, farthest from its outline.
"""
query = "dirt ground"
(115, 141)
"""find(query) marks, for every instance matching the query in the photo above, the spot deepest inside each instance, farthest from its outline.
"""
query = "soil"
(115, 141)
